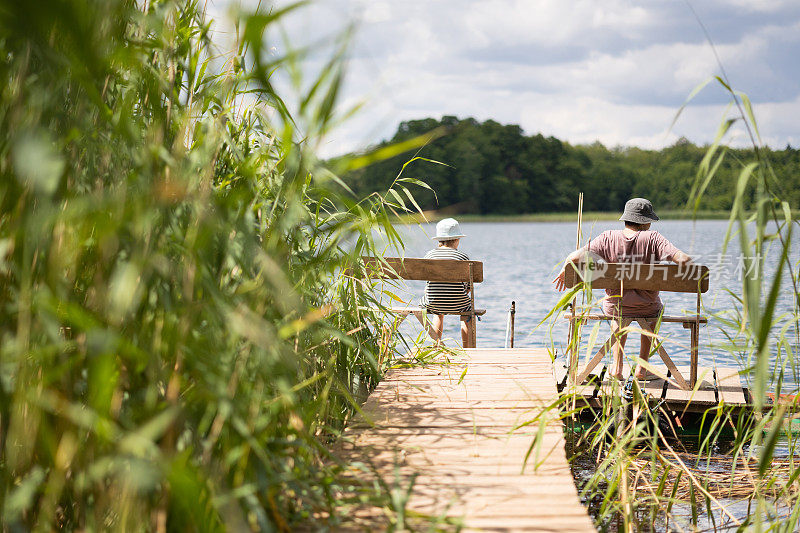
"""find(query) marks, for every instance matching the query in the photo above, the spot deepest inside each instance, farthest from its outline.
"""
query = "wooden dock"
(716, 386)
(453, 429)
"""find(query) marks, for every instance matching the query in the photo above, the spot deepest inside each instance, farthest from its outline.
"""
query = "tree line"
(492, 168)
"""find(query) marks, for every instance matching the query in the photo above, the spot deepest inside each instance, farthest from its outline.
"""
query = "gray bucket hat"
(638, 211)
(448, 229)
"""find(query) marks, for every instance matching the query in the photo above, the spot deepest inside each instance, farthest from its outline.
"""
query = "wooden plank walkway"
(456, 428)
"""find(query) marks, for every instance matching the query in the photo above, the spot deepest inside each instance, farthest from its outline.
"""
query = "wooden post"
(513, 311)
(574, 327)
(618, 340)
(580, 221)
(695, 333)
(695, 341)
(473, 330)
(572, 345)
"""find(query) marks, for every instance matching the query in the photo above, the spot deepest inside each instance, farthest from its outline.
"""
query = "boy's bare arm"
(571, 258)
(681, 258)
(574, 256)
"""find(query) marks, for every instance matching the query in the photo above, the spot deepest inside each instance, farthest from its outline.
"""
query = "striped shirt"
(441, 297)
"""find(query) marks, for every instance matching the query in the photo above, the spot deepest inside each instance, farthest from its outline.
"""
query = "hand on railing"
(559, 281)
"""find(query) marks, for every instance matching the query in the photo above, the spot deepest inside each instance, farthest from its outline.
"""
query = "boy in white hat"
(442, 297)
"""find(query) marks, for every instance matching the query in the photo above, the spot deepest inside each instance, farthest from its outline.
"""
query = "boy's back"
(615, 246)
(442, 297)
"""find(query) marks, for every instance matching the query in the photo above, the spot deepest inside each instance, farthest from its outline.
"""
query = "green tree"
(489, 167)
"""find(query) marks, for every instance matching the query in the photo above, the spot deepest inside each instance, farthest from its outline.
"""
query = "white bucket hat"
(448, 229)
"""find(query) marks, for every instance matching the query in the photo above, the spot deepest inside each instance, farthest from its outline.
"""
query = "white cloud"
(767, 6)
(777, 122)
(554, 22)
(659, 72)
(580, 70)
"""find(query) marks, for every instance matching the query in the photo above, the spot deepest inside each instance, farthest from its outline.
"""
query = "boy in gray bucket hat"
(442, 297)
(636, 243)
(639, 211)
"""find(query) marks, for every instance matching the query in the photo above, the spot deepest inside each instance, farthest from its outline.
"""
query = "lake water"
(520, 260)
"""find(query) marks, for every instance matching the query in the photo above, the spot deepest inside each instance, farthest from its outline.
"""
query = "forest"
(492, 168)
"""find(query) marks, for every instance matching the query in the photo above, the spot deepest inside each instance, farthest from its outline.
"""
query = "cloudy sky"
(616, 71)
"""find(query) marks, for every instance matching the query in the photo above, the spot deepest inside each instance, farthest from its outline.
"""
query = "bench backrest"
(410, 268)
(652, 277)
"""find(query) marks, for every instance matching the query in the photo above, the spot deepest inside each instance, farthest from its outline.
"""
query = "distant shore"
(589, 216)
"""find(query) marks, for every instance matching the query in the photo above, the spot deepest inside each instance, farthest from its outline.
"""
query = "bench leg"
(572, 346)
(467, 331)
(472, 327)
(665, 356)
(695, 333)
(614, 343)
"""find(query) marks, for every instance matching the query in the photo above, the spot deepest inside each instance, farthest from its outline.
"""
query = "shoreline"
(588, 216)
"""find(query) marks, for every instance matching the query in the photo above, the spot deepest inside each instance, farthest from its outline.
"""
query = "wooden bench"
(445, 270)
(625, 276)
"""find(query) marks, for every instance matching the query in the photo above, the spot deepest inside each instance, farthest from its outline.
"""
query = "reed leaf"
(179, 345)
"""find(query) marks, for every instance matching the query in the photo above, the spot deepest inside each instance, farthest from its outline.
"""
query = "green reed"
(178, 344)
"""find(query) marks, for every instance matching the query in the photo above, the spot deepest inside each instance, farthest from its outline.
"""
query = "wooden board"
(590, 388)
(688, 319)
(651, 277)
(462, 439)
(730, 386)
(409, 310)
(507, 389)
(560, 372)
(462, 418)
(712, 390)
(411, 268)
(704, 395)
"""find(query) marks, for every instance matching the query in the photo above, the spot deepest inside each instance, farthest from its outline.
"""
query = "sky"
(614, 71)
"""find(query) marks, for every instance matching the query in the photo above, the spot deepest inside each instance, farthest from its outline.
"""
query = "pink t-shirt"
(641, 247)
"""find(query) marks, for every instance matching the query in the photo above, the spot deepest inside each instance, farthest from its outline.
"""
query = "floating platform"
(718, 386)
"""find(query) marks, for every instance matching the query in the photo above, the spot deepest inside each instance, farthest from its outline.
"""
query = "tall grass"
(176, 343)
